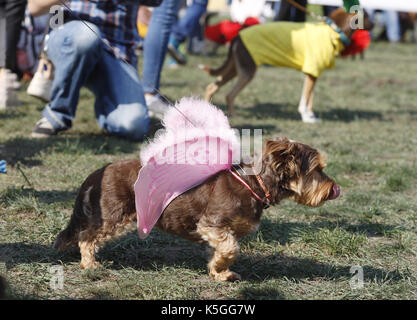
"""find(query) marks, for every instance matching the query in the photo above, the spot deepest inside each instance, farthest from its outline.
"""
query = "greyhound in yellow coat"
(309, 47)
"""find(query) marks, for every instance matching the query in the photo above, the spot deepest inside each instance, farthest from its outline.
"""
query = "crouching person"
(94, 48)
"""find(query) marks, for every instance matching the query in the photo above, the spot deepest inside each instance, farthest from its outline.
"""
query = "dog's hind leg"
(226, 249)
(245, 69)
(305, 107)
(91, 241)
(243, 80)
(213, 87)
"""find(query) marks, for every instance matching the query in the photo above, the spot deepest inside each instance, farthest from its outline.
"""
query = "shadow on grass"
(26, 150)
(254, 270)
(45, 196)
(289, 112)
(128, 251)
(161, 250)
(254, 293)
(279, 266)
(9, 115)
(285, 231)
(23, 150)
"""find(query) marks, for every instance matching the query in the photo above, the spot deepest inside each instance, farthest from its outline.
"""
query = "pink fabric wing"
(178, 169)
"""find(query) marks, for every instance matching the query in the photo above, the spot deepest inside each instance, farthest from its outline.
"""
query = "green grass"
(368, 131)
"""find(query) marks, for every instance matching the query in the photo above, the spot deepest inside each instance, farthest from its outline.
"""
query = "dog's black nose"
(335, 192)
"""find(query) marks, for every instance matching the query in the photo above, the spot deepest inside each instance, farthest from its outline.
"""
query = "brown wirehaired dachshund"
(219, 212)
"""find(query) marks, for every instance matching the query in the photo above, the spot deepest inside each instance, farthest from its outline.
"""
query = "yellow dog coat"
(309, 47)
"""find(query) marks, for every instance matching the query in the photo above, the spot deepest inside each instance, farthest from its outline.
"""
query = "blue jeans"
(186, 25)
(156, 42)
(80, 59)
(392, 22)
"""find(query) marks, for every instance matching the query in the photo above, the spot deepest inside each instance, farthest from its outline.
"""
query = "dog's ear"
(342, 19)
(280, 156)
(367, 22)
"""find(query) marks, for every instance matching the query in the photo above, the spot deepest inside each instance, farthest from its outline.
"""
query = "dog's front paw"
(226, 276)
(89, 265)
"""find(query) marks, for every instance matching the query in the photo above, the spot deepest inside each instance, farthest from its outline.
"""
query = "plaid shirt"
(116, 20)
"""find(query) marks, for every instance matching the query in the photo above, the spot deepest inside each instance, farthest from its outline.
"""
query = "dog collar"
(345, 40)
(239, 176)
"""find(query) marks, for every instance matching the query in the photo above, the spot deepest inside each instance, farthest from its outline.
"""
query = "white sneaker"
(43, 129)
(40, 87)
(14, 83)
(156, 106)
(309, 117)
(7, 95)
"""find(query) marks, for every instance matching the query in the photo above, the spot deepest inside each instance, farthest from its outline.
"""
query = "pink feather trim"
(197, 142)
(191, 119)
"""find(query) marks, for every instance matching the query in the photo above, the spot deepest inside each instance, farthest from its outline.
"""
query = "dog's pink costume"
(197, 142)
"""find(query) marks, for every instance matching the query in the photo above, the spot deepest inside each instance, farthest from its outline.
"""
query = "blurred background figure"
(162, 36)
(154, 52)
(241, 10)
(408, 22)
(287, 12)
(11, 16)
(30, 45)
(328, 9)
(14, 12)
(95, 48)
(390, 22)
(33, 61)
(144, 18)
(243, 13)
(184, 27)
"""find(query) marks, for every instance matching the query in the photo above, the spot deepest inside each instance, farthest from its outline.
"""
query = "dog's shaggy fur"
(219, 212)
(3, 285)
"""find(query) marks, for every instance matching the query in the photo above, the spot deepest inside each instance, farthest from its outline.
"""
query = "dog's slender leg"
(311, 82)
(243, 80)
(226, 249)
(212, 88)
(308, 88)
(302, 106)
(310, 102)
(305, 108)
(245, 68)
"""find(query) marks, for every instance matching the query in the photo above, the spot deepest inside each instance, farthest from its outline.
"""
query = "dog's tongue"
(335, 192)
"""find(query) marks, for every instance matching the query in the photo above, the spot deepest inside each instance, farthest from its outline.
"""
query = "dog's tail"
(65, 239)
(69, 236)
(227, 64)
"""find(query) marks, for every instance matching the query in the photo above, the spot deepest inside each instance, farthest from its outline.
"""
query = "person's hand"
(40, 7)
